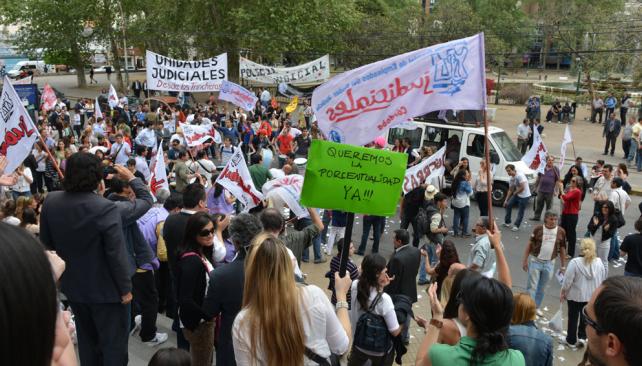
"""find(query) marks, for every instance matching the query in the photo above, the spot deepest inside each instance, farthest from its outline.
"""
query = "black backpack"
(371, 333)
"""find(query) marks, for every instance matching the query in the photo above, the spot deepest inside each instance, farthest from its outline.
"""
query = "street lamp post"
(579, 75)
(124, 26)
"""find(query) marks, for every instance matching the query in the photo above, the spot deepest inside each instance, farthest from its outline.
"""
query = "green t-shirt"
(460, 354)
(259, 175)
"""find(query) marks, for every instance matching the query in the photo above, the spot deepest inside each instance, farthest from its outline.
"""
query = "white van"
(31, 67)
(471, 139)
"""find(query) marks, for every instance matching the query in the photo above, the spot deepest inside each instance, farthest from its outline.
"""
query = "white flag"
(196, 135)
(17, 131)
(424, 171)
(236, 178)
(565, 141)
(112, 99)
(97, 112)
(237, 95)
(288, 188)
(535, 158)
(361, 104)
(158, 179)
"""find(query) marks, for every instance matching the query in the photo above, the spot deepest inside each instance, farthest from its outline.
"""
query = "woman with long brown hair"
(281, 323)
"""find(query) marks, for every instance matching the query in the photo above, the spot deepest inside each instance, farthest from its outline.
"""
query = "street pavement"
(514, 244)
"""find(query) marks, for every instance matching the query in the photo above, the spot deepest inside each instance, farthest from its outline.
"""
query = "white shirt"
(41, 159)
(22, 185)
(123, 154)
(141, 166)
(517, 181)
(620, 199)
(602, 188)
(523, 130)
(219, 250)
(581, 280)
(322, 329)
(147, 137)
(205, 168)
(548, 244)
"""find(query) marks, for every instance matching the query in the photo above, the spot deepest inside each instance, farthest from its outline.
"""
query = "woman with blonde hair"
(282, 323)
(524, 336)
(583, 275)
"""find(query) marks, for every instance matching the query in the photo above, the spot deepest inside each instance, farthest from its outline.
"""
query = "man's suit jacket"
(404, 265)
(225, 296)
(616, 127)
(86, 232)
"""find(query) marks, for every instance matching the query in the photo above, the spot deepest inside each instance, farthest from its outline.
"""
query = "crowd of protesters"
(232, 282)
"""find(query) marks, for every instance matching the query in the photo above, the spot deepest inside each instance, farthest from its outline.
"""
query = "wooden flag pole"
(488, 177)
(347, 238)
(53, 160)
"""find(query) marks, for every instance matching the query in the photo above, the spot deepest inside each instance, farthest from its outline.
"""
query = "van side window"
(401, 133)
(475, 145)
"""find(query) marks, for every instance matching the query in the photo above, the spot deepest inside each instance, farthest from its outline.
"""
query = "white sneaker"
(506, 225)
(137, 320)
(581, 342)
(158, 339)
(539, 313)
(514, 228)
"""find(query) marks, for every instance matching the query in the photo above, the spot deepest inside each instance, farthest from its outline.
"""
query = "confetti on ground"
(419, 296)
(562, 359)
(561, 348)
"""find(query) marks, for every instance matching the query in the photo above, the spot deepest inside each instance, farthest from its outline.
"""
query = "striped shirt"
(334, 267)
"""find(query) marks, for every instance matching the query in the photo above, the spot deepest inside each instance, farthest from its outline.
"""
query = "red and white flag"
(196, 135)
(48, 98)
(565, 141)
(97, 112)
(424, 171)
(17, 131)
(236, 178)
(112, 99)
(158, 178)
(288, 188)
(535, 158)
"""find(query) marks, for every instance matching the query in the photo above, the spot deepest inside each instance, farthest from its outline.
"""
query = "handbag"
(618, 214)
(333, 360)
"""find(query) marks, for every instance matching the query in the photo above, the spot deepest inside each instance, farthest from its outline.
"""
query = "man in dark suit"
(225, 292)
(610, 132)
(404, 266)
(85, 230)
(137, 86)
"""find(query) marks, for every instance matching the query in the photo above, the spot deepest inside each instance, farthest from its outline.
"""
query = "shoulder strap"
(374, 302)
(316, 358)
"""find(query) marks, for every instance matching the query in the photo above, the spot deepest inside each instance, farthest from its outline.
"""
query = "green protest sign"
(352, 178)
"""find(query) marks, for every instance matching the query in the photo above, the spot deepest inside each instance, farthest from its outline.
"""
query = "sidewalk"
(587, 139)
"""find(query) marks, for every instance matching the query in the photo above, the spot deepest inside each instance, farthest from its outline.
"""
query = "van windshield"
(506, 146)
(401, 133)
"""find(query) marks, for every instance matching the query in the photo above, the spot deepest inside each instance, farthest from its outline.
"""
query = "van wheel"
(500, 190)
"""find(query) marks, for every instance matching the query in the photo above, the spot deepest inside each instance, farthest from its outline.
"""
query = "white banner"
(424, 171)
(48, 98)
(196, 135)
(97, 112)
(158, 179)
(17, 131)
(236, 178)
(289, 189)
(565, 141)
(535, 158)
(112, 98)
(316, 71)
(164, 73)
(25, 80)
(359, 105)
(237, 95)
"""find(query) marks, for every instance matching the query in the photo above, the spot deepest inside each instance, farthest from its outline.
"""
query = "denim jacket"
(536, 346)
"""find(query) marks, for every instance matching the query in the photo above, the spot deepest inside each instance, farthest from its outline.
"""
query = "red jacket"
(572, 200)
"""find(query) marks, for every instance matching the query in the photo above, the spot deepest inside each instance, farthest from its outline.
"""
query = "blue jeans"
(15, 194)
(638, 160)
(539, 273)
(326, 222)
(368, 222)
(631, 274)
(614, 250)
(432, 257)
(633, 149)
(521, 204)
(460, 219)
(316, 242)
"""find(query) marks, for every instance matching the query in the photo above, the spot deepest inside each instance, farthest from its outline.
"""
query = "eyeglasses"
(590, 321)
(205, 233)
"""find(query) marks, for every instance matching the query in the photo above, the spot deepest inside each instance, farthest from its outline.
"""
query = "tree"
(55, 28)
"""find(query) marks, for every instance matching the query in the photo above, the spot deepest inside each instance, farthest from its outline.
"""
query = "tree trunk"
(117, 66)
(79, 65)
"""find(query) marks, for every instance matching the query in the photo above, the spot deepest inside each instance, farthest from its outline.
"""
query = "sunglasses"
(205, 233)
(590, 321)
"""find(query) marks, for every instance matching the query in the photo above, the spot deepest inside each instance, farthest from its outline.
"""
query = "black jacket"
(225, 297)
(404, 265)
(190, 288)
(86, 232)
